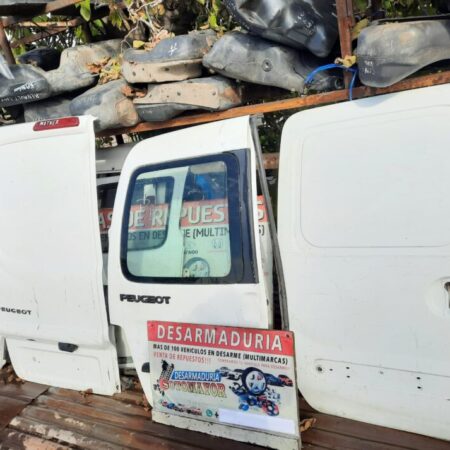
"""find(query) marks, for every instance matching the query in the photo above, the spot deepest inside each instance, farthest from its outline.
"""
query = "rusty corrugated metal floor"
(62, 419)
(34, 417)
(336, 433)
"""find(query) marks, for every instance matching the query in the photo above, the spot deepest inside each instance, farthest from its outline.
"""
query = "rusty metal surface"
(10, 439)
(62, 419)
(9, 408)
(333, 432)
(25, 392)
(15, 397)
(346, 21)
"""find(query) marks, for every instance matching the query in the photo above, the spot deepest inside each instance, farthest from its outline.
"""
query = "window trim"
(242, 242)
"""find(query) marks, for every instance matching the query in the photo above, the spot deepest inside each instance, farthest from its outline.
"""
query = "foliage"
(108, 69)
(177, 16)
(85, 9)
(399, 8)
(212, 13)
(403, 8)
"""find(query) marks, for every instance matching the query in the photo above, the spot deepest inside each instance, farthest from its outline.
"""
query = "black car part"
(27, 85)
(389, 52)
(32, 83)
(310, 24)
(255, 60)
(44, 57)
(51, 108)
(108, 104)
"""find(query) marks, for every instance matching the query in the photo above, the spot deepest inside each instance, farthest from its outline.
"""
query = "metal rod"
(50, 7)
(272, 226)
(344, 10)
(38, 36)
(63, 23)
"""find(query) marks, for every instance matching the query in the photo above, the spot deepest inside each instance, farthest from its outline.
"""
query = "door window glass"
(182, 220)
(204, 222)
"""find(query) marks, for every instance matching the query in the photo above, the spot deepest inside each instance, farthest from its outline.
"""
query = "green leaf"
(79, 34)
(100, 25)
(215, 6)
(85, 10)
(212, 20)
(116, 19)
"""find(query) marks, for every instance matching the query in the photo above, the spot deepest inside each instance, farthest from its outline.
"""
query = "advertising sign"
(230, 376)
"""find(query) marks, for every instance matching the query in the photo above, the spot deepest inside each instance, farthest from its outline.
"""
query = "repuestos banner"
(233, 376)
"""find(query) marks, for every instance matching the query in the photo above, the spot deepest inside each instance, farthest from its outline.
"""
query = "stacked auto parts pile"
(283, 42)
(33, 83)
(172, 73)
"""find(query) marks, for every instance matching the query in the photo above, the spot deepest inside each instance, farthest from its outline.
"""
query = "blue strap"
(311, 76)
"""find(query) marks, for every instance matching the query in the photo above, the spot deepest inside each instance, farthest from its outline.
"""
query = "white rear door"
(52, 308)
(364, 228)
(184, 233)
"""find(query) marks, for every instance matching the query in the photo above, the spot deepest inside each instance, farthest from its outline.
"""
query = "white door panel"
(161, 169)
(365, 237)
(53, 311)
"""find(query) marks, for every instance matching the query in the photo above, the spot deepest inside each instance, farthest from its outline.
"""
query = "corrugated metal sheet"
(36, 417)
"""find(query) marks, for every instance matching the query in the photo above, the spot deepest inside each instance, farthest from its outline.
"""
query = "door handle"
(66, 347)
(447, 288)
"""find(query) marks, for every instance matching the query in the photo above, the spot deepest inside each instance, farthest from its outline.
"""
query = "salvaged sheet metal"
(172, 59)
(166, 101)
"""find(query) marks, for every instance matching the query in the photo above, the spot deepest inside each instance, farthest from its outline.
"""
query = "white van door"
(184, 233)
(364, 228)
(52, 308)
